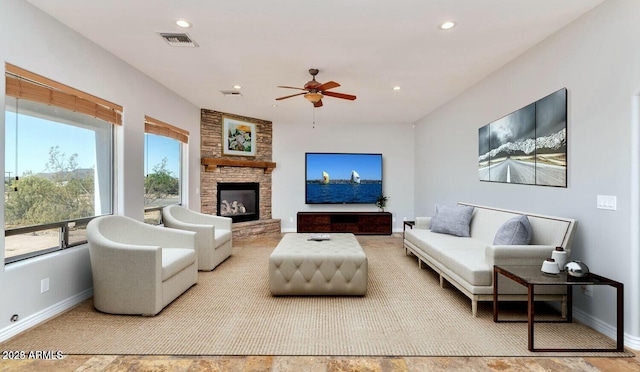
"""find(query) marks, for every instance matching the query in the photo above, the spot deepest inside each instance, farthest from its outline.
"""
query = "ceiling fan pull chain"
(314, 117)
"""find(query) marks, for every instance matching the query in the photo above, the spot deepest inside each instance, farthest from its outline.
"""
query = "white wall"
(597, 59)
(291, 141)
(36, 42)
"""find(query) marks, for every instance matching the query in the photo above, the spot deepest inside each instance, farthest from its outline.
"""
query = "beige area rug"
(231, 312)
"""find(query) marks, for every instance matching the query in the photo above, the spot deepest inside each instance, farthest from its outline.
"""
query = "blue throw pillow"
(452, 220)
(516, 231)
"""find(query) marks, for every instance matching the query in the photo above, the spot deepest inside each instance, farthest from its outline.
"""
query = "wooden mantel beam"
(210, 164)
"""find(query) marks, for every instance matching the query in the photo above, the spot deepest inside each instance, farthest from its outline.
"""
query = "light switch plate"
(606, 202)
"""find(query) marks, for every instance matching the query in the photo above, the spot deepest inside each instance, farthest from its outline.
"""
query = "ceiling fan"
(314, 91)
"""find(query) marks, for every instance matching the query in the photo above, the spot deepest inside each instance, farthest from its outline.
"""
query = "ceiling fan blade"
(293, 95)
(327, 85)
(340, 95)
(318, 104)
(284, 86)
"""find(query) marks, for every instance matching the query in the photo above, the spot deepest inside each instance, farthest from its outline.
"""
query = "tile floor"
(109, 363)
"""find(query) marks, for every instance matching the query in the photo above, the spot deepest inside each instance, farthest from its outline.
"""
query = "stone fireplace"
(239, 200)
(218, 169)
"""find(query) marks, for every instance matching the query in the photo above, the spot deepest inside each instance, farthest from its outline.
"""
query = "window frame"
(159, 128)
(25, 85)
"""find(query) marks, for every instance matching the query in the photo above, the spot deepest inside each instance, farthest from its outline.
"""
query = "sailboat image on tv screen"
(325, 177)
(355, 177)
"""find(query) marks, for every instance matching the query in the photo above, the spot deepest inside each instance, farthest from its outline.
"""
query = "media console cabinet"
(362, 223)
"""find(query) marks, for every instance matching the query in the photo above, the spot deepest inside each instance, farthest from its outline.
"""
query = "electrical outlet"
(44, 285)
(290, 219)
(587, 290)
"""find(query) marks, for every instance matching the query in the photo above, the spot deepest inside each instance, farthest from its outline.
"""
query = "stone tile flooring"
(110, 363)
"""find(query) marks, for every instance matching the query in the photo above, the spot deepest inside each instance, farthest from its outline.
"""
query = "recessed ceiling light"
(274, 105)
(182, 23)
(447, 25)
(396, 87)
(237, 86)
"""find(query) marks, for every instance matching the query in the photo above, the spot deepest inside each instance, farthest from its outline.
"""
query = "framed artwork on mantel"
(238, 137)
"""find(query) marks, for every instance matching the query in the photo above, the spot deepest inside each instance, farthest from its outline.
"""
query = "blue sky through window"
(158, 147)
(36, 136)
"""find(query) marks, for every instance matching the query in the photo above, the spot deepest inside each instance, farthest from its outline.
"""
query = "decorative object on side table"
(549, 266)
(560, 255)
(381, 202)
(576, 268)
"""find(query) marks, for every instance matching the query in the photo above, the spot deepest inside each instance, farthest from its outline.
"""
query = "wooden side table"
(531, 276)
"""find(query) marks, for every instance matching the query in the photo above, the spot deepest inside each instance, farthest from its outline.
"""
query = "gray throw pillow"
(516, 231)
(452, 220)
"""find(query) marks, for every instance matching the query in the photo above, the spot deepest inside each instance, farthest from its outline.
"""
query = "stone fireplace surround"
(230, 169)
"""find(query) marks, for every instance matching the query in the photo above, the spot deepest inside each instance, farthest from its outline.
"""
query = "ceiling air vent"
(178, 40)
(231, 93)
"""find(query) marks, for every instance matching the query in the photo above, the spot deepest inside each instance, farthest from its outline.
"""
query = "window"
(162, 167)
(58, 164)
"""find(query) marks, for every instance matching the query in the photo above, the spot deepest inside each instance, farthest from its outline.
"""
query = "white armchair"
(213, 233)
(138, 268)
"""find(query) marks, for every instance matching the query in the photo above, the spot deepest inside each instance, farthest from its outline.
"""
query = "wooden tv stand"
(361, 223)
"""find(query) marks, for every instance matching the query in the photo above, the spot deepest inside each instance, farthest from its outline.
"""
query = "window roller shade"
(154, 126)
(23, 84)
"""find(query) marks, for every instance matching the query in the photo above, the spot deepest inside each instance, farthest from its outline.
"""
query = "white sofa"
(467, 262)
(214, 237)
(138, 268)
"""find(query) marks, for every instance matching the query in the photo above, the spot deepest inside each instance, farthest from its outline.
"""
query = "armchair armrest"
(517, 254)
(423, 223)
(126, 276)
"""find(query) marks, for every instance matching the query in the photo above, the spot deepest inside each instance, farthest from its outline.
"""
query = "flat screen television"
(333, 178)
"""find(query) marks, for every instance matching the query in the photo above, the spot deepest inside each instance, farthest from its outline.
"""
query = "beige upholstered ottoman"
(298, 266)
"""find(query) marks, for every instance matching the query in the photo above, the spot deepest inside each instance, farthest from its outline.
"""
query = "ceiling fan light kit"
(315, 91)
(313, 97)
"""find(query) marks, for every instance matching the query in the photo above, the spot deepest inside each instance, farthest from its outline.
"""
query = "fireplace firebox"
(239, 200)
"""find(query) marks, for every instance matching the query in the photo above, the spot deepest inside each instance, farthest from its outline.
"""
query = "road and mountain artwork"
(528, 146)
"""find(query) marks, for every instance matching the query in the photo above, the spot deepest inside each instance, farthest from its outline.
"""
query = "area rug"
(231, 312)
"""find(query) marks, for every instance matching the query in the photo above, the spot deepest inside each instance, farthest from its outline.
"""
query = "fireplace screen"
(238, 201)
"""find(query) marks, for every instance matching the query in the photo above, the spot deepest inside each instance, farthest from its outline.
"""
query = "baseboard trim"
(44, 315)
(608, 330)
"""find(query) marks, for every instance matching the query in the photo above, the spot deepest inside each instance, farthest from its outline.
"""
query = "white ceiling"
(367, 46)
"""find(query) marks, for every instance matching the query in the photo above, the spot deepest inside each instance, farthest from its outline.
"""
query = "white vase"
(560, 256)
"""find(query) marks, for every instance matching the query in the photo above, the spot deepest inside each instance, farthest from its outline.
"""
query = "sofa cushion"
(469, 263)
(516, 231)
(452, 220)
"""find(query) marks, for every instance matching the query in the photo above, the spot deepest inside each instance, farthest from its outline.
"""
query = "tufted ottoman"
(337, 266)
